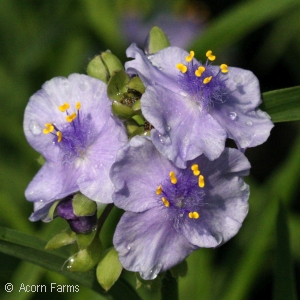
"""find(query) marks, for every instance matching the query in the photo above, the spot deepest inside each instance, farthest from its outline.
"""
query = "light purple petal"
(95, 182)
(147, 243)
(150, 74)
(132, 177)
(238, 115)
(182, 130)
(226, 201)
(43, 108)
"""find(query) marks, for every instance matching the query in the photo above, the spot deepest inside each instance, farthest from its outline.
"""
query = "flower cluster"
(180, 187)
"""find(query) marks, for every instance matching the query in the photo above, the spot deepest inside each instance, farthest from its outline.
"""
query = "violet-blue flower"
(170, 211)
(69, 122)
(194, 106)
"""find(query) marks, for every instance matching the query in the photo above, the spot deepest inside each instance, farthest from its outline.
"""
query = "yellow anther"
(201, 182)
(181, 67)
(195, 169)
(190, 56)
(78, 105)
(159, 190)
(59, 136)
(71, 117)
(199, 71)
(224, 68)
(210, 56)
(48, 128)
(207, 79)
(173, 177)
(165, 201)
(64, 107)
(193, 215)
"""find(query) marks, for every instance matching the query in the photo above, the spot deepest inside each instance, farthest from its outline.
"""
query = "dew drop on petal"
(263, 114)
(65, 82)
(154, 271)
(35, 128)
(164, 139)
(83, 86)
(243, 187)
(238, 79)
(168, 128)
(249, 123)
(232, 115)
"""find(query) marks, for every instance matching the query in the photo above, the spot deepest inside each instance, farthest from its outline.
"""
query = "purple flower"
(194, 107)
(69, 122)
(170, 212)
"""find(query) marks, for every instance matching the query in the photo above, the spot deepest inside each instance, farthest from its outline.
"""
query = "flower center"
(74, 135)
(182, 194)
(203, 83)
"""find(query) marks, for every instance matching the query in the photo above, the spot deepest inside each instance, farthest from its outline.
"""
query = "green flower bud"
(83, 206)
(116, 87)
(63, 238)
(157, 40)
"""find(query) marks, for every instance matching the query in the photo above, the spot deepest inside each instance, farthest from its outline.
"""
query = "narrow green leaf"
(31, 248)
(282, 105)
(232, 25)
(284, 281)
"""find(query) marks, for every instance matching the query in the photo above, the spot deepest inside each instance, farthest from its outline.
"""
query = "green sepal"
(180, 270)
(103, 66)
(152, 285)
(139, 131)
(112, 63)
(109, 269)
(136, 84)
(116, 87)
(157, 40)
(97, 69)
(61, 239)
(131, 126)
(137, 105)
(84, 260)
(122, 111)
(83, 206)
(52, 210)
(84, 240)
(139, 119)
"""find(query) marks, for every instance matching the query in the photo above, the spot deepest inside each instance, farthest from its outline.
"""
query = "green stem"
(169, 290)
(104, 216)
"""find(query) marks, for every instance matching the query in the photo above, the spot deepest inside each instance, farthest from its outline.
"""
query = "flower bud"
(156, 41)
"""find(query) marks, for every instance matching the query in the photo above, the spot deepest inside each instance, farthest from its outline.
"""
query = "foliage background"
(43, 39)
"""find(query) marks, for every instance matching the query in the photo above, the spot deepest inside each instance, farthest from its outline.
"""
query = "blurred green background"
(43, 39)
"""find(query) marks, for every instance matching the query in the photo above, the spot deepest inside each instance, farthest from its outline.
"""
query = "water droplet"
(35, 128)
(263, 114)
(164, 139)
(233, 115)
(154, 271)
(153, 82)
(150, 57)
(83, 86)
(249, 123)
(160, 68)
(168, 128)
(128, 247)
(244, 186)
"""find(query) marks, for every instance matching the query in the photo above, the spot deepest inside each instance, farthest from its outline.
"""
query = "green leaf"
(282, 105)
(157, 40)
(109, 269)
(31, 248)
(63, 238)
(243, 18)
(83, 206)
(122, 111)
(284, 281)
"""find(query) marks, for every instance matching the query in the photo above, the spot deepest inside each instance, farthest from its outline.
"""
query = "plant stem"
(169, 290)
